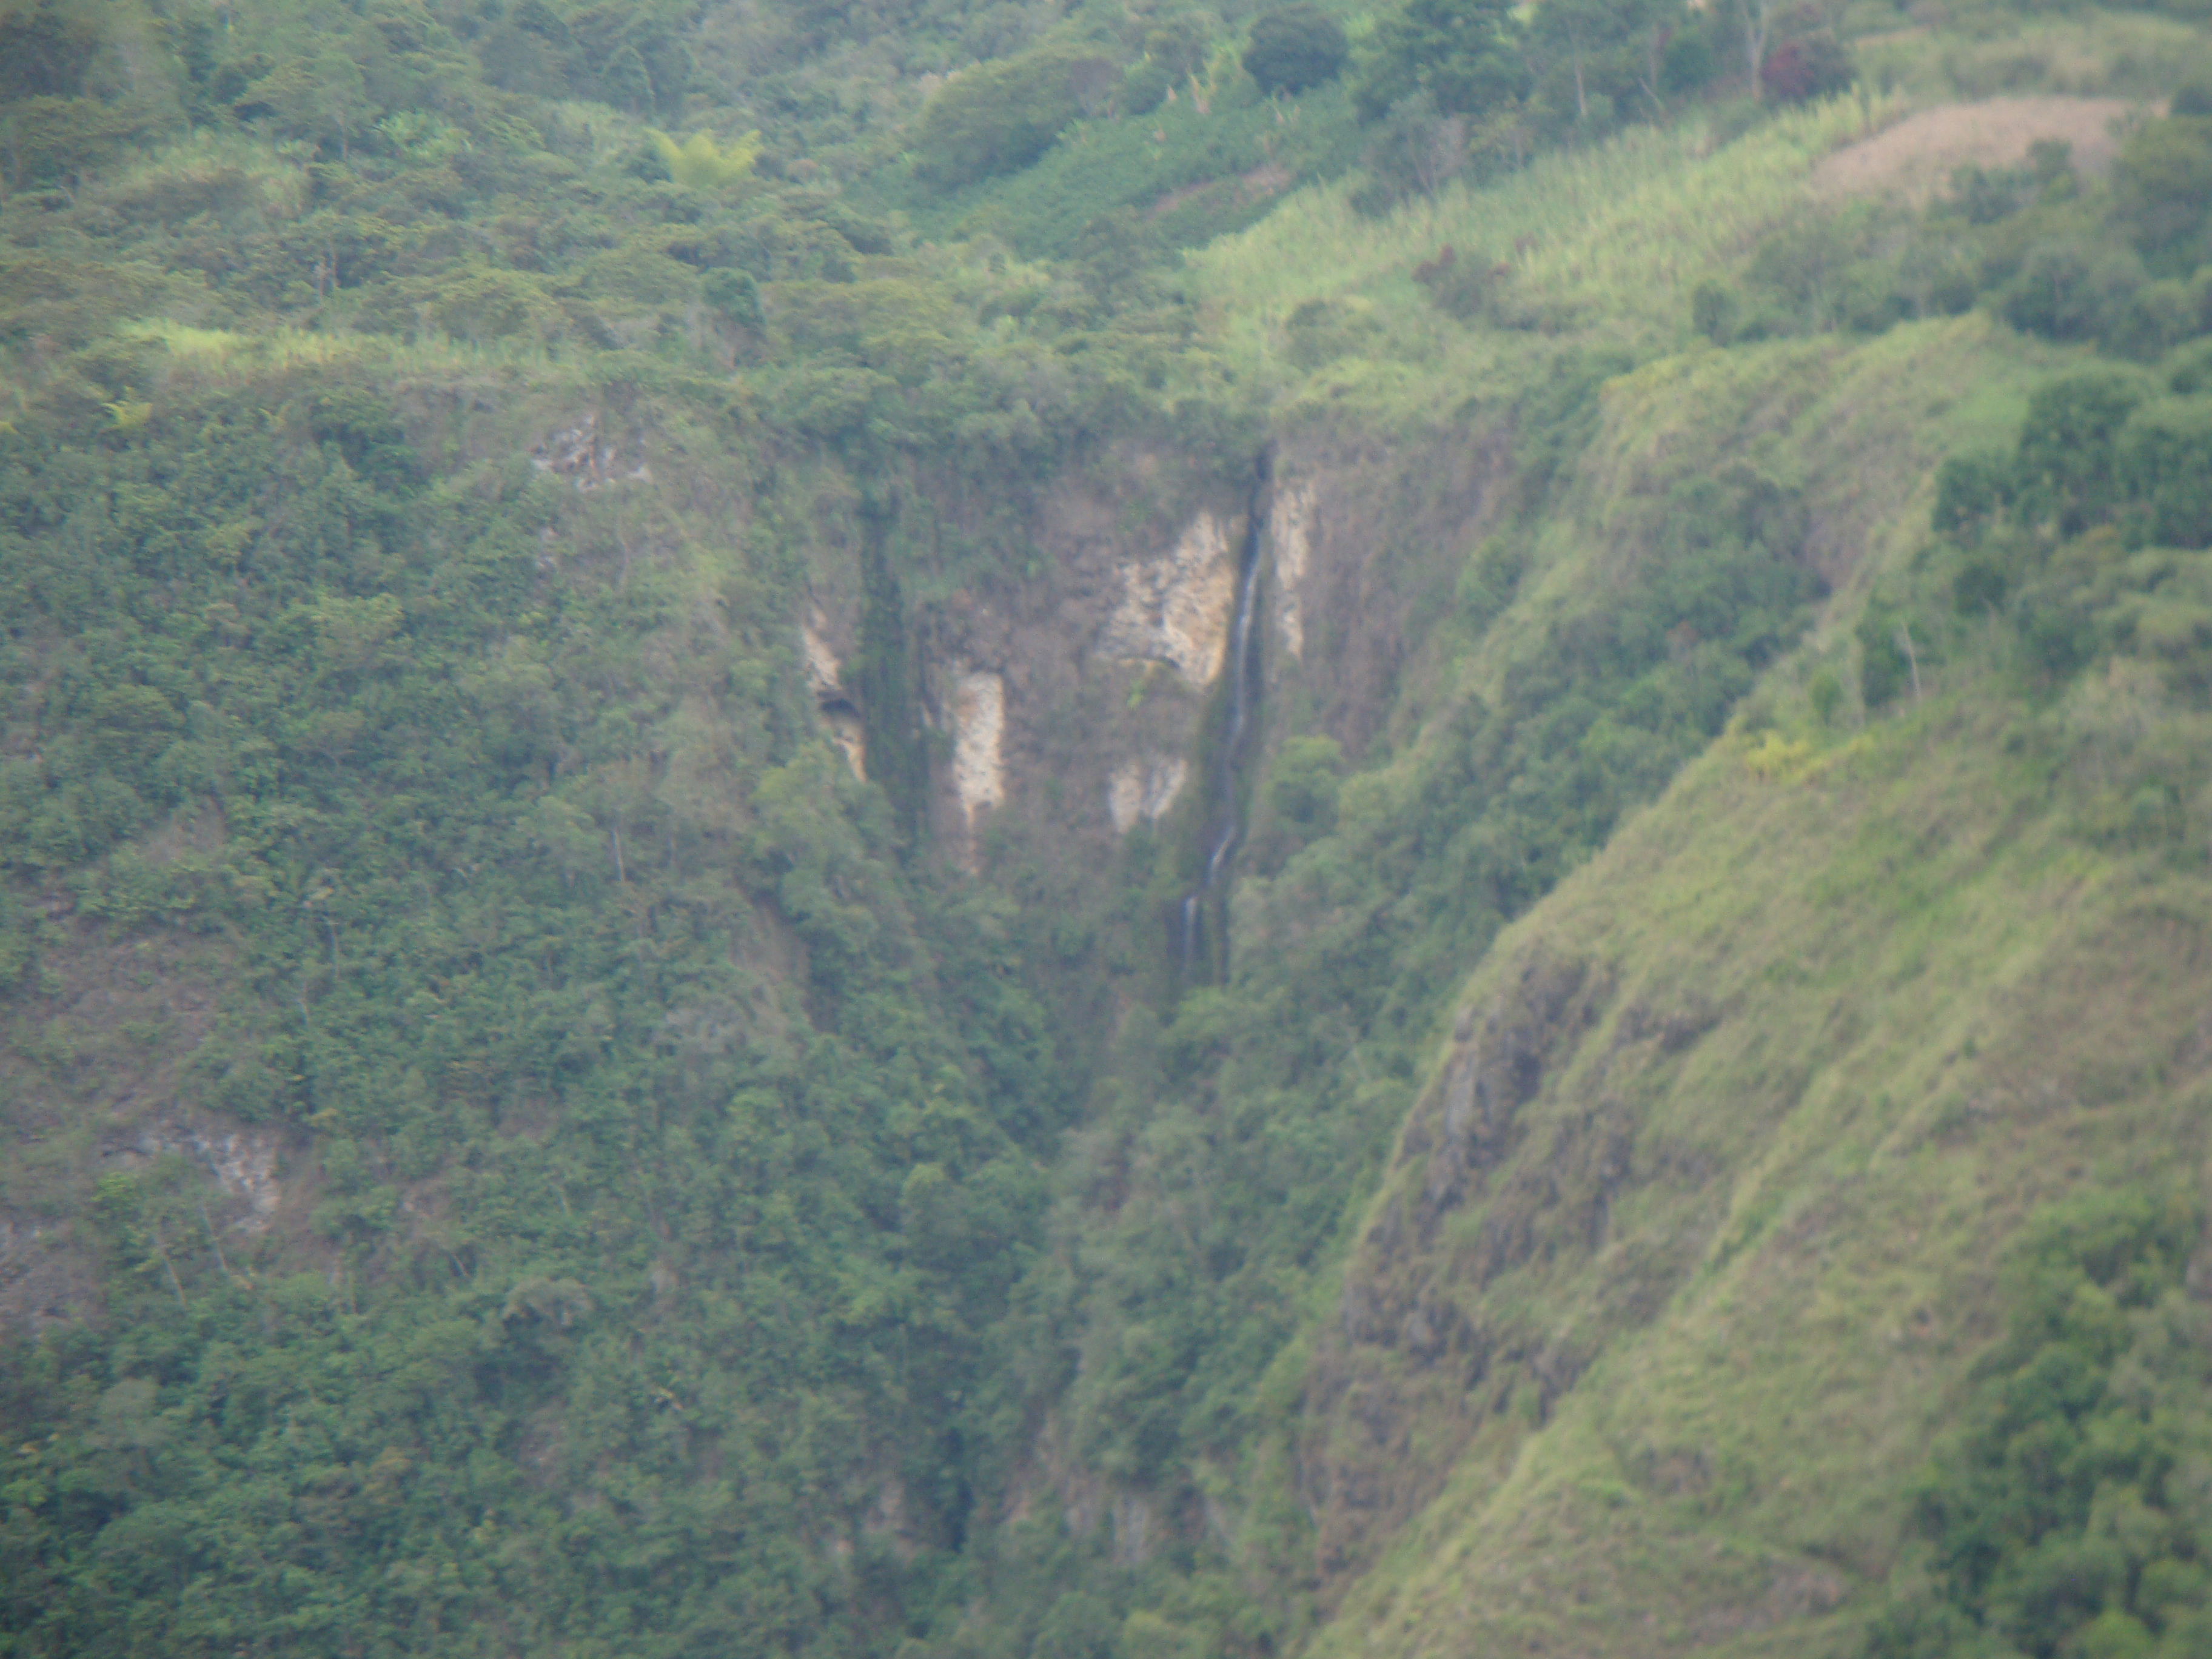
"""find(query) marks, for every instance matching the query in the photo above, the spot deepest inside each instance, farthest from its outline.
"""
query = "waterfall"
(1224, 824)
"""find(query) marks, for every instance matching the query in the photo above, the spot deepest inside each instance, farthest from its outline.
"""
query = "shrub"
(1303, 786)
(2165, 463)
(2071, 290)
(1294, 47)
(1713, 309)
(1174, 52)
(1415, 152)
(1464, 286)
(2066, 471)
(2163, 179)
(1969, 490)
(1691, 58)
(1466, 58)
(1798, 71)
(735, 296)
(998, 118)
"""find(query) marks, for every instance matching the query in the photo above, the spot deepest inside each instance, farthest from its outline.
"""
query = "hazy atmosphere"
(1105, 829)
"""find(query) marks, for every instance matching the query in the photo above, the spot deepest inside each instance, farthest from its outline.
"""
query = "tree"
(1467, 58)
(2067, 448)
(1813, 66)
(1294, 47)
(1756, 18)
(998, 118)
(1615, 43)
(326, 99)
(2163, 181)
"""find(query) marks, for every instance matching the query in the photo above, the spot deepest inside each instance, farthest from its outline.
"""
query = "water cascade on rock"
(1204, 911)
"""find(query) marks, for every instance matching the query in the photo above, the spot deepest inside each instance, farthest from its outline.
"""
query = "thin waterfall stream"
(1224, 823)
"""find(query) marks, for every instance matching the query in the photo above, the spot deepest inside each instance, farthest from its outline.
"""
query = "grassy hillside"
(1846, 1013)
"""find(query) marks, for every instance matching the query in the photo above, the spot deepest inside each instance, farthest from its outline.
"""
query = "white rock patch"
(245, 1167)
(979, 726)
(1290, 532)
(1175, 610)
(826, 674)
(1144, 790)
(823, 667)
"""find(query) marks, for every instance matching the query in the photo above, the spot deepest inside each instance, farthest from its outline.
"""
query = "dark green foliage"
(2162, 183)
(2085, 539)
(1293, 47)
(1889, 656)
(1466, 286)
(2071, 290)
(1303, 783)
(1465, 58)
(44, 54)
(1969, 490)
(1416, 150)
(2164, 462)
(1597, 62)
(698, 1220)
(1692, 57)
(887, 676)
(1714, 310)
(735, 296)
(999, 117)
(672, 1130)
(2066, 471)
(2116, 266)
(1175, 50)
(2066, 1515)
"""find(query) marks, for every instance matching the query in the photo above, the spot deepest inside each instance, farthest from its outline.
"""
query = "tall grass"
(1612, 234)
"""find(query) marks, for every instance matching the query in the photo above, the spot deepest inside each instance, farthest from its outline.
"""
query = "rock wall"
(1071, 699)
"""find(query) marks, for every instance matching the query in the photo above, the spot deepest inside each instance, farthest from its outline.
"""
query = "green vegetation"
(2067, 1516)
(1724, 862)
(1294, 47)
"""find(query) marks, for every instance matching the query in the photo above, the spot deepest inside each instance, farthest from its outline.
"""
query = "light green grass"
(1920, 977)
(1605, 241)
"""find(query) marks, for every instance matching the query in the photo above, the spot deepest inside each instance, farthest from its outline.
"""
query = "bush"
(1798, 71)
(2163, 179)
(1174, 52)
(1692, 57)
(998, 118)
(1464, 286)
(1294, 47)
(1969, 491)
(1468, 60)
(2072, 291)
(2066, 470)
(2166, 465)
(2080, 1416)
(1414, 153)
(1302, 789)
(735, 296)
(1714, 310)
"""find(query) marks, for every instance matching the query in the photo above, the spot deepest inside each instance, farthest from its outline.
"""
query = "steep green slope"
(1694, 1238)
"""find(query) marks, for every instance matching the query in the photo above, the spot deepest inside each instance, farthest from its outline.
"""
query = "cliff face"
(1068, 697)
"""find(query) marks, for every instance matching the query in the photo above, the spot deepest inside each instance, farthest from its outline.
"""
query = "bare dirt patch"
(1916, 157)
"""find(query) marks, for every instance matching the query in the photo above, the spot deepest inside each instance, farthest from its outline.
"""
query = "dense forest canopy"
(534, 1121)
